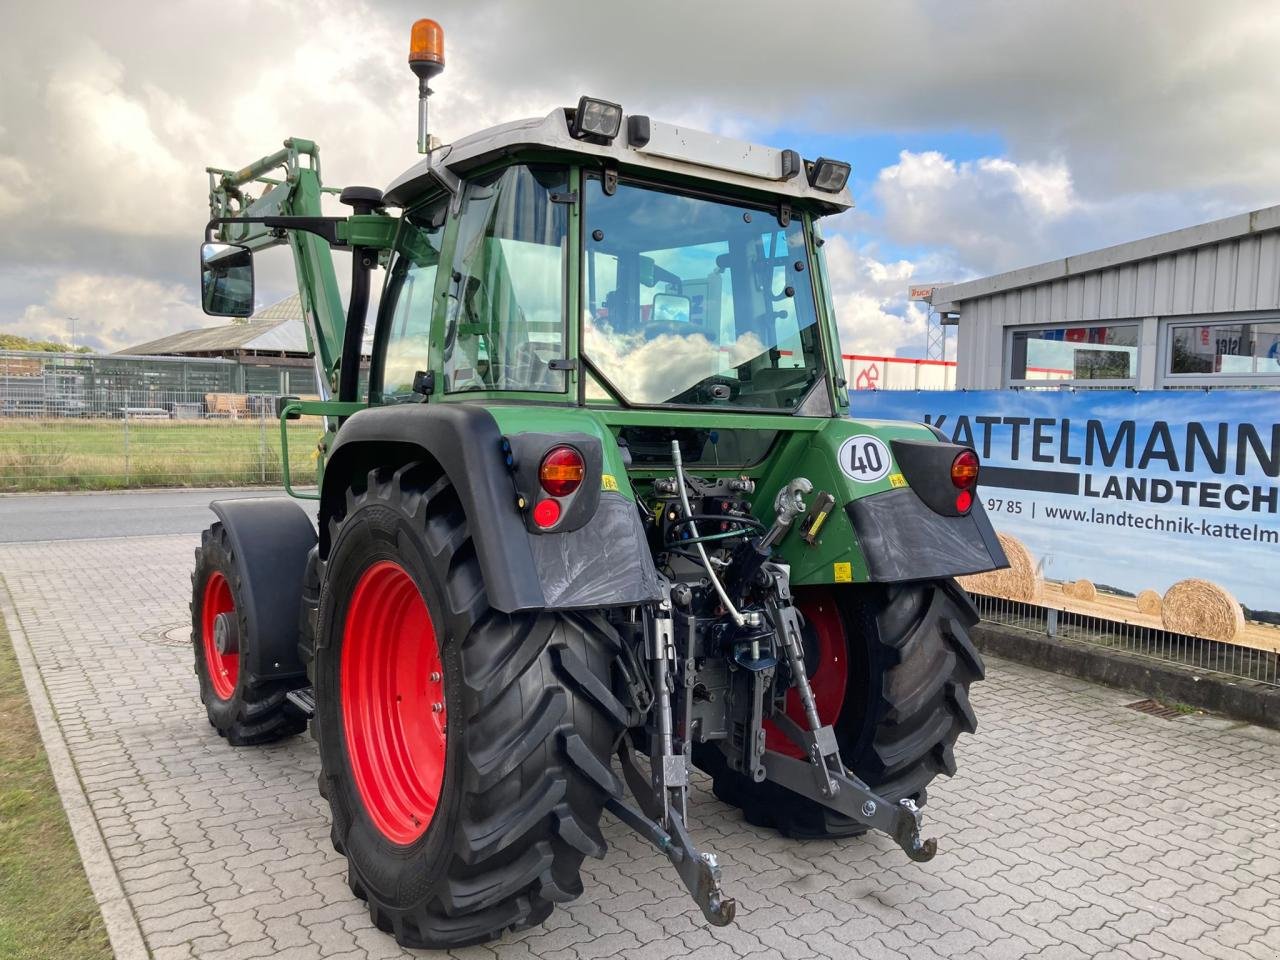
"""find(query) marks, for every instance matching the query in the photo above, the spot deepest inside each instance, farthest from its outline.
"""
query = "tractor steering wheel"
(709, 390)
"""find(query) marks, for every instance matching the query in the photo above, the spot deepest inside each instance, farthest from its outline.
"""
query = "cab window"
(505, 315)
(412, 287)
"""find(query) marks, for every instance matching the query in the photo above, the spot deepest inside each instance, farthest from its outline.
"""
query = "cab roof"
(668, 149)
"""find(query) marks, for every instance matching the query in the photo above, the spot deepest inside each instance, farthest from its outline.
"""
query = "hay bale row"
(1019, 582)
(1200, 608)
(1081, 590)
(1149, 602)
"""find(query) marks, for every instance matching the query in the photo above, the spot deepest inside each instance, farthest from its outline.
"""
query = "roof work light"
(426, 60)
(596, 120)
(829, 176)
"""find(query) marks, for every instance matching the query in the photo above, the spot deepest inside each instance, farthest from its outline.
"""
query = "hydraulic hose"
(693, 528)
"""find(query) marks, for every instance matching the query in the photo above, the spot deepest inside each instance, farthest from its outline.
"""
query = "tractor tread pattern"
(258, 711)
(539, 730)
(921, 709)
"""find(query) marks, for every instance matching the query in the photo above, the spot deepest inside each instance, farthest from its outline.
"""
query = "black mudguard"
(904, 540)
(271, 537)
(602, 562)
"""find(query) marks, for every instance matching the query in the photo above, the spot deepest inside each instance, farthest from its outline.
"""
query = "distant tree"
(11, 341)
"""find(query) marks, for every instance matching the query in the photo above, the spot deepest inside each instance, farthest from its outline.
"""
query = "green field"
(46, 907)
(62, 454)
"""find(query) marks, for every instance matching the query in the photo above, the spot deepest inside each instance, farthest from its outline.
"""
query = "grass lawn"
(65, 454)
(46, 909)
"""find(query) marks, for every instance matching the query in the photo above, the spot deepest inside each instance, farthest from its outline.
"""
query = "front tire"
(903, 699)
(245, 709)
(491, 734)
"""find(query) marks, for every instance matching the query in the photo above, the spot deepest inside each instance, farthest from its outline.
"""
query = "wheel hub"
(218, 611)
(394, 709)
(226, 633)
(825, 660)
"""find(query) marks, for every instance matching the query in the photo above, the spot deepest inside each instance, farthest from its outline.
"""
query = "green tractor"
(593, 514)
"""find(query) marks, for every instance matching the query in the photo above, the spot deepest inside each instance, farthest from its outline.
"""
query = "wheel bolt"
(435, 677)
(437, 708)
(869, 809)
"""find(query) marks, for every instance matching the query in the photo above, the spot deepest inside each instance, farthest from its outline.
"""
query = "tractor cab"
(618, 263)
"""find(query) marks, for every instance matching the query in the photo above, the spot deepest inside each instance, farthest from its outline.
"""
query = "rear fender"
(899, 522)
(590, 559)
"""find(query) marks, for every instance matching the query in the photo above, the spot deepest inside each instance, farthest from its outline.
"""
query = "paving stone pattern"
(1075, 828)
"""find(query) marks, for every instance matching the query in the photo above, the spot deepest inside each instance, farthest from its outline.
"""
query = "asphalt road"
(96, 516)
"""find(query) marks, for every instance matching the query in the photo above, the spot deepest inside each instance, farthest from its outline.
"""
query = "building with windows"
(1198, 307)
(270, 349)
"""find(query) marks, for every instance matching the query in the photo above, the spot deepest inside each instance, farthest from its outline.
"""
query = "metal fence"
(91, 422)
(172, 440)
(38, 384)
(1210, 656)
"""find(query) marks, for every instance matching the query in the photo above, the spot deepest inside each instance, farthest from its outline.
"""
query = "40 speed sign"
(865, 458)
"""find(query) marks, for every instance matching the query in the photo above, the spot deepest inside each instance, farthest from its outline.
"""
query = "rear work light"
(829, 176)
(597, 120)
(561, 471)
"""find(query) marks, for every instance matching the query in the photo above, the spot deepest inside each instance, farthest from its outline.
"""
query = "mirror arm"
(324, 227)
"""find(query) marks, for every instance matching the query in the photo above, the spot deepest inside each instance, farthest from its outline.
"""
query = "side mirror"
(226, 279)
(670, 308)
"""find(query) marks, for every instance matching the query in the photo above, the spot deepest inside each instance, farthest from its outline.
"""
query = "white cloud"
(111, 311)
(872, 310)
(17, 190)
(992, 212)
(1121, 119)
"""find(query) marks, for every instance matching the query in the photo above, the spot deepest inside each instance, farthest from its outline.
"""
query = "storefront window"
(1095, 352)
(1247, 348)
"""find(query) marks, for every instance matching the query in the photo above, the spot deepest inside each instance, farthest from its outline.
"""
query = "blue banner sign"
(1130, 491)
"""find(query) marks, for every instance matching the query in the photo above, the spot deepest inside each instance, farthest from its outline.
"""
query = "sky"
(984, 135)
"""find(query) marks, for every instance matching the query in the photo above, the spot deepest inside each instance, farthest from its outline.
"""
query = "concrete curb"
(122, 926)
(1244, 700)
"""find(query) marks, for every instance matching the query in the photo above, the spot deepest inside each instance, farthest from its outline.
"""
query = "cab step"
(303, 700)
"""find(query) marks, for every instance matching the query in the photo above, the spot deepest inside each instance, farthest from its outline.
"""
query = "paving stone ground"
(1075, 827)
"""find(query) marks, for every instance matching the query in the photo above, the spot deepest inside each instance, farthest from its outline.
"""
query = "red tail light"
(562, 471)
(964, 470)
(546, 513)
(964, 501)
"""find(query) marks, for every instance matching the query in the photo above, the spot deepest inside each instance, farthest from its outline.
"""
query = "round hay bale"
(1199, 608)
(1019, 582)
(1081, 590)
(1149, 603)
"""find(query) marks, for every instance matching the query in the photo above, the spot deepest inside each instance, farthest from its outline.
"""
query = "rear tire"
(910, 665)
(529, 728)
(243, 708)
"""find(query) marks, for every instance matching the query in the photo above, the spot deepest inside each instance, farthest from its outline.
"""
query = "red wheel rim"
(393, 705)
(223, 668)
(829, 679)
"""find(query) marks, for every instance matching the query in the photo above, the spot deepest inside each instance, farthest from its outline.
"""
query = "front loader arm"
(298, 194)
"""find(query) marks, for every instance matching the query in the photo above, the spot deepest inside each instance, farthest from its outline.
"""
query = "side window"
(505, 322)
(413, 281)
(412, 286)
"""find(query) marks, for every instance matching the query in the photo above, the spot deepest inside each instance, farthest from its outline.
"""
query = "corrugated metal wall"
(1233, 276)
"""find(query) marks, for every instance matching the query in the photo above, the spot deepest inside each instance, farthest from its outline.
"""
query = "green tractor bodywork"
(604, 492)
(796, 443)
